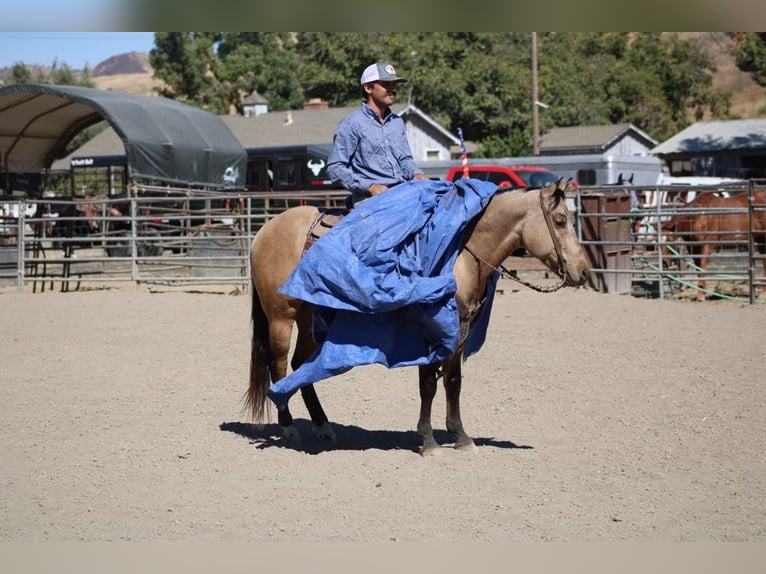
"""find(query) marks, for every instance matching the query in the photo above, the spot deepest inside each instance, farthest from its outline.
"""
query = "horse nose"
(583, 275)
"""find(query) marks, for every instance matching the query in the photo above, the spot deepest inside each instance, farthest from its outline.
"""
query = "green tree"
(750, 54)
(20, 74)
(58, 74)
(262, 61)
(216, 70)
(185, 62)
(479, 82)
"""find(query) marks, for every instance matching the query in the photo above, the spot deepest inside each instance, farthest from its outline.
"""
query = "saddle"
(323, 223)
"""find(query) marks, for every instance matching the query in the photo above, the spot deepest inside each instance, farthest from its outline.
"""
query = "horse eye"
(560, 222)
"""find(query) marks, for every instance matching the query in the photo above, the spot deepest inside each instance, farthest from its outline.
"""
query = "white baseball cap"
(382, 71)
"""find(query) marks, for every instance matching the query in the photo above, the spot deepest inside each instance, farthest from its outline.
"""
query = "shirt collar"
(373, 114)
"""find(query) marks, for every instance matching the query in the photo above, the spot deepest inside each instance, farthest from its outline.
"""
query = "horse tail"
(261, 359)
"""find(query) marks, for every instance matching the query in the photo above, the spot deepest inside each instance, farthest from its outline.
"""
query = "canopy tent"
(165, 140)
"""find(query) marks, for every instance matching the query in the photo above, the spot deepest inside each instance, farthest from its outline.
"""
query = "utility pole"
(414, 56)
(535, 118)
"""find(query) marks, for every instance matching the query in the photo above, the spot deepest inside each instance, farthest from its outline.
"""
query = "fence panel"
(670, 255)
(152, 236)
(185, 237)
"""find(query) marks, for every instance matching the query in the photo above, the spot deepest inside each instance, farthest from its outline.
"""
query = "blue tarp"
(382, 282)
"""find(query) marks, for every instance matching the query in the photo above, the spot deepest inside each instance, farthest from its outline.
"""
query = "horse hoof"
(324, 431)
(291, 436)
(466, 445)
(430, 450)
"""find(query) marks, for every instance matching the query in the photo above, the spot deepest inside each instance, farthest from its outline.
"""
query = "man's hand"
(377, 188)
(420, 176)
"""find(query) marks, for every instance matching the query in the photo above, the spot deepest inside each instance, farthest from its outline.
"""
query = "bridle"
(504, 272)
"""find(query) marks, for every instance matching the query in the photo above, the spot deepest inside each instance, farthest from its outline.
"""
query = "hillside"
(129, 72)
(748, 99)
(138, 83)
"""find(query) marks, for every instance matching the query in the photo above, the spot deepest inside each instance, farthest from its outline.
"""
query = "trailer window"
(287, 174)
(586, 176)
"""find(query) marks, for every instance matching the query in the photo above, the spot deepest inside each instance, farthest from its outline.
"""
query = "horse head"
(550, 235)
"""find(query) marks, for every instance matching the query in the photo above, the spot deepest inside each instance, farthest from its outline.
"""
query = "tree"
(185, 61)
(20, 74)
(477, 81)
(216, 70)
(750, 54)
(57, 74)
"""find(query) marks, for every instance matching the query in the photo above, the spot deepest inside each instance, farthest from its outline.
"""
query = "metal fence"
(182, 237)
(635, 248)
(151, 236)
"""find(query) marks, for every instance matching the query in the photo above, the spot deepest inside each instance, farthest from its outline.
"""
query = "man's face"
(383, 92)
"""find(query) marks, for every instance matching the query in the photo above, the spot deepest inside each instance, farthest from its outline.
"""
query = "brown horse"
(702, 231)
(536, 219)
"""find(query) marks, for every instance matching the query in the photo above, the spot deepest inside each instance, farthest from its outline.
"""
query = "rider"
(370, 151)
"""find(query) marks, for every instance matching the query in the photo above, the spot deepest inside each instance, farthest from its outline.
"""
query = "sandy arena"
(597, 418)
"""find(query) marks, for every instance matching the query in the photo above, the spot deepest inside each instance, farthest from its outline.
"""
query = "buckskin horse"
(535, 219)
(703, 232)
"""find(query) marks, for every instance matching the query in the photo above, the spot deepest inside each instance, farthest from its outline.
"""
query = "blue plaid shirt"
(366, 151)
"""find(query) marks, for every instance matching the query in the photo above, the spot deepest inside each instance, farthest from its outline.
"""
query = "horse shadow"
(349, 437)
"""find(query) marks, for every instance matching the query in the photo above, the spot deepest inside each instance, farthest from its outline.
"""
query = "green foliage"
(61, 75)
(216, 70)
(477, 81)
(750, 55)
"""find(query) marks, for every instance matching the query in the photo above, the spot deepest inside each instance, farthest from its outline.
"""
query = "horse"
(535, 219)
(702, 230)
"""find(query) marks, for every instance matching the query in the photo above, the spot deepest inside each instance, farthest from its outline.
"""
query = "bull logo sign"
(231, 175)
(315, 166)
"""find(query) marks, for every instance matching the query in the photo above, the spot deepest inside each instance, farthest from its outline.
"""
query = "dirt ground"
(597, 418)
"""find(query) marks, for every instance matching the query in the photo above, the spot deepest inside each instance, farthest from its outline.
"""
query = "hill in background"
(748, 99)
(129, 72)
(128, 63)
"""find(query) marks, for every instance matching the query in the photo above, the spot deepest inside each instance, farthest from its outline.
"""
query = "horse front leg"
(706, 253)
(427, 378)
(453, 380)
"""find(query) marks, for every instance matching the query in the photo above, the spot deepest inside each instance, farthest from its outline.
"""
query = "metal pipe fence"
(156, 235)
(635, 248)
(150, 236)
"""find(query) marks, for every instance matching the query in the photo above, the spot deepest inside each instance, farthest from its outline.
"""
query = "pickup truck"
(516, 176)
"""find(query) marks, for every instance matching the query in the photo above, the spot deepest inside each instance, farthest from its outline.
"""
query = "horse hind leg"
(280, 334)
(305, 345)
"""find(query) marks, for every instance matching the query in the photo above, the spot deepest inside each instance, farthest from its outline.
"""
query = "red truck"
(516, 176)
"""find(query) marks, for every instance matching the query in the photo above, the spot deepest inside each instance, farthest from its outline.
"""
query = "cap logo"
(390, 70)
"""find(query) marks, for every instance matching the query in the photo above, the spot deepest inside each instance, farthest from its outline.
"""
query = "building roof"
(590, 139)
(255, 98)
(716, 136)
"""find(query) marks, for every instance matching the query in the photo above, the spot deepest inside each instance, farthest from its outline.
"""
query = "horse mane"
(559, 194)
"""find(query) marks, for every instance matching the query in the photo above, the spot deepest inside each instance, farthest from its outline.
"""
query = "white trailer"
(587, 170)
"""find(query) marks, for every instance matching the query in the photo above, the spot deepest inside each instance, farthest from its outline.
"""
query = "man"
(370, 150)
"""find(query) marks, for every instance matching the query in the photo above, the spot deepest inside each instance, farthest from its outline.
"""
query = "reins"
(504, 272)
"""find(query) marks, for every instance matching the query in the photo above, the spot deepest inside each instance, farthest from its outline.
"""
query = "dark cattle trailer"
(296, 168)
(288, 168)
